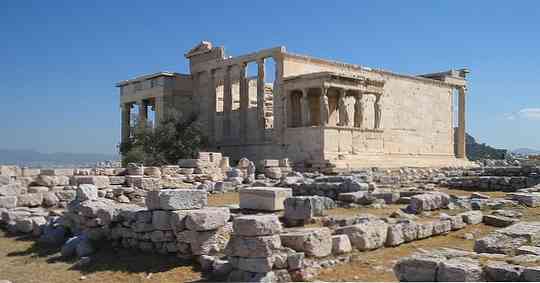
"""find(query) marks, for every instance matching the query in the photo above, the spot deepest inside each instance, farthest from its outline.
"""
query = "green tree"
(173, 139)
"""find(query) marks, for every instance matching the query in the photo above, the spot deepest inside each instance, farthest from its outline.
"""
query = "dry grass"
(22, 260)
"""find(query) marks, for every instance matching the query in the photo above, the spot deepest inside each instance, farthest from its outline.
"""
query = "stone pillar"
(159, 110)
(126, 121)
(306, 119)
(378, 111)
(143, 113)
(227, 102)
(212, 107)
(461, 131)
(324, 107)
(358, 111)
(342, 109)
(260, 99)
(244, 103)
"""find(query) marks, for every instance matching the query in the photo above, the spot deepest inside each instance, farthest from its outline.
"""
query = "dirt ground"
(22, 260)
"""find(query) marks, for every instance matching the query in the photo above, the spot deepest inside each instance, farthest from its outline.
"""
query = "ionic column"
(143, 113)
(324, 107)
(244, 102)
(159, 110)
(305, 114)
(126, 120)
(461, 147)
(227, 102)
(212, 106)
(260, 99)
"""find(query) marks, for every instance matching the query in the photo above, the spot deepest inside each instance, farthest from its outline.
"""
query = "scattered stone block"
(257, 225)
(30, 200)
(341, 244)
(352, 197)
(207, 218)
(99, 181)
(8, 202)
(254, 264)
(260, 246)
(425, 230)
(12, 190)
(366, 236)
(171, 199)
(500, 271)
(401, 233)
(441, 227)
(388, 197)
(57, 172)
(499, 221)
(87, 192)
(532, 250)
(264, 198)
(528, 199)
(427, 202)
(456, 222)
(315, 242)
(460, 270)
(472, 217)
(417, 268)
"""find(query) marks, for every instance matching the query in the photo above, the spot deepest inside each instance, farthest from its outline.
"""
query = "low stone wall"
(493, 183)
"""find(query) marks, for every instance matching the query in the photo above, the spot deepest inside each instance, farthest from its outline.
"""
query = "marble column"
(227, 102)
(461, 130)
(159, 109)
(143, 113)
(244, 103)
(305, 111)
(324, 107)
(260, 99)
(212, 106)
(126, 121)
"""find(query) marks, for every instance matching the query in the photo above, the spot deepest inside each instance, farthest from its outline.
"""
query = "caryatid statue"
(378, 112)
(325, 109)
(358, 111)
(343, 113)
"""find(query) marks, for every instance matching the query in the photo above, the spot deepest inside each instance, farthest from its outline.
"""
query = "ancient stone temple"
(319, 113)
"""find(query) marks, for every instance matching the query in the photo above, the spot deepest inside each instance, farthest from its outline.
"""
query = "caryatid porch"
(333, 100)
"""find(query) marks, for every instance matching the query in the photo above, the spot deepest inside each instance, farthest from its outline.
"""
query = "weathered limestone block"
(257, 225)
(472, 217)
(264, 198)
(134, 180)
(528, 199)
(388, 197)
(500, 271)
(30, 200)
(87, 192)
(456, 222)
(366, 236)
(170, 199)
(161, 219)
(425, 230)
(252, 264)
(51, 181)
(117, 180)
(441, 227)
(305, 207)
(67, 195)
(150, 184)
(353, 197)
(531, 274)
(429, 201)
(507, 240)
(260, 246)
(315, 242)
(206, 219)
(417, 268)
(30, 172)
(401, 233)
(460, 270)
(499, 221)
(37, 189)
(341, 244)
(532, 250)
(12, 190)
(8, 202)
(57, 172)
(50, 199)
(99, 181)
(24, 225)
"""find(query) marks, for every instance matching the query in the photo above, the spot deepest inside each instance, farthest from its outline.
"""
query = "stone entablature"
(359, 113)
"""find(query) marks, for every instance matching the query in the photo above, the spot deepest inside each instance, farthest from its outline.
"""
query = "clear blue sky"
(59, 60)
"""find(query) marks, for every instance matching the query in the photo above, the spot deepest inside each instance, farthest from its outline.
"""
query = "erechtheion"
(319, 113)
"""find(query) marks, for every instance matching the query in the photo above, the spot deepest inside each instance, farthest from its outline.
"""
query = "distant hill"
(32, 158)
(476, 151)
(526, 151)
